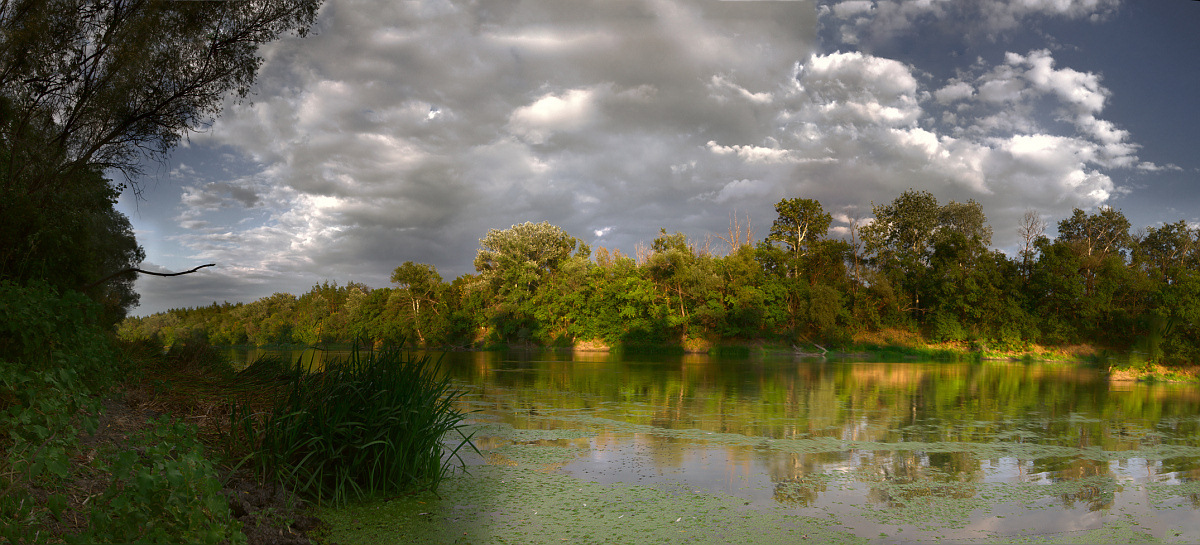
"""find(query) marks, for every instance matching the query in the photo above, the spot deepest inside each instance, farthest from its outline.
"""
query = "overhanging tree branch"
(137, 270)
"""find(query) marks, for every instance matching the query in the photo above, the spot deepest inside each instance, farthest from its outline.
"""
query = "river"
(771, 447)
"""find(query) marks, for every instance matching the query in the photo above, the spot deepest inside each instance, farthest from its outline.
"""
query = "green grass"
(369, 424)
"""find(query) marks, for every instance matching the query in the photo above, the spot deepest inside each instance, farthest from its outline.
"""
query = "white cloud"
(1152, 167)
(853, 88)
(755, 154)
(1082, 90)
(571, 111)
(953, 92)
(721, 85)
(997, 152)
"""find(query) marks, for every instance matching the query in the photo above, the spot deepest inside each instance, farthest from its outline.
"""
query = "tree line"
(918, 265)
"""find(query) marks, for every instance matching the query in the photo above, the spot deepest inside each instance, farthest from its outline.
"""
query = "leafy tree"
(518, 257)
(79, 239)
(672, 265)
(974, 293)
(1056, 291)
(907, 234)
(1099, 235)
(903, 230)
(966, 219)
(797, 246)
(514, 262)
(92, 86)
(751, 309)
(1096, 238)
(801, 223)
(100, 82)
(422, 284)
(1167, 248)
(900, 239)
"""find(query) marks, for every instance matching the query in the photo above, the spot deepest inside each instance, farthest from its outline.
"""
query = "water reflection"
(812, 434)
(909, 431)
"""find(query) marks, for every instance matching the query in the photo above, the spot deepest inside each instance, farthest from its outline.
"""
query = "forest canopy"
(919, 265)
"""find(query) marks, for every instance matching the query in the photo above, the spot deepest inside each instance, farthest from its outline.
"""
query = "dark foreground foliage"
(55, 364)
(120, 443)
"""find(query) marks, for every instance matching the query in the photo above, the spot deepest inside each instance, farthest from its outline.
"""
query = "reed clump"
(370, 424)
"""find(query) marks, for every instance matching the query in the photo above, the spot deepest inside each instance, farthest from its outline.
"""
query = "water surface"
(879, 451)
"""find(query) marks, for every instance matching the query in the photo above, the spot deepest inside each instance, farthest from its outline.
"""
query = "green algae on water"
(497, 504)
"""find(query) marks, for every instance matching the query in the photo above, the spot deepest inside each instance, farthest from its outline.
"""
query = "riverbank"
(887, 344)
(193, 387)
(1155, 373)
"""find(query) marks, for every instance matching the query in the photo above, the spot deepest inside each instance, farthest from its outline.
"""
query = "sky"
(406, 130)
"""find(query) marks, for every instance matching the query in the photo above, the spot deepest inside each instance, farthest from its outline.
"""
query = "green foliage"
(928, 269)
(163, 491)
(904, 229)
(54, 358)
(516, 258)
(965, 219)
(373, 423)
(945, 327)
(801, 224)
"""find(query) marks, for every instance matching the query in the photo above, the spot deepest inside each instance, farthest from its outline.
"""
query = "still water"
(909, 451)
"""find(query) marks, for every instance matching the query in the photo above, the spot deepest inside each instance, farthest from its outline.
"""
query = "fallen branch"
(137, 270)
(799, 351)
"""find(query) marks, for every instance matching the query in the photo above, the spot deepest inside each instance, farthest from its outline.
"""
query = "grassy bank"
(109, 442)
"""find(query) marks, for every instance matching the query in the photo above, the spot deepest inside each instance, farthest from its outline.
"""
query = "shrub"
(947, 328)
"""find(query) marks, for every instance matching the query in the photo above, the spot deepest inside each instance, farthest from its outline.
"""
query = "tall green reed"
(371, 423)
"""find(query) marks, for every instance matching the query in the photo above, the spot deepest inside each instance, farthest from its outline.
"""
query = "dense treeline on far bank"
(919, 267)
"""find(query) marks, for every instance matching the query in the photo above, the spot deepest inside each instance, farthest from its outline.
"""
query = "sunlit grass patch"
(1153, 372)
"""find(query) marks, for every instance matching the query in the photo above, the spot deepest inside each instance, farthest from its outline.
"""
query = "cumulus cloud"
(405, 130)
(953, 92)
(877, 121)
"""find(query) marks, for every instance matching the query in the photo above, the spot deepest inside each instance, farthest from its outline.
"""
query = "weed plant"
(372, 423)
(163, 491)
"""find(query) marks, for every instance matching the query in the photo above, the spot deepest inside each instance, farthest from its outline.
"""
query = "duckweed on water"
(519, 505)
(516, 500)
(508, 433)
(520, 496)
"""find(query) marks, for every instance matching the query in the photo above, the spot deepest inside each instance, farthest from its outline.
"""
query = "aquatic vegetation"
(698, 450)
(371, 423)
